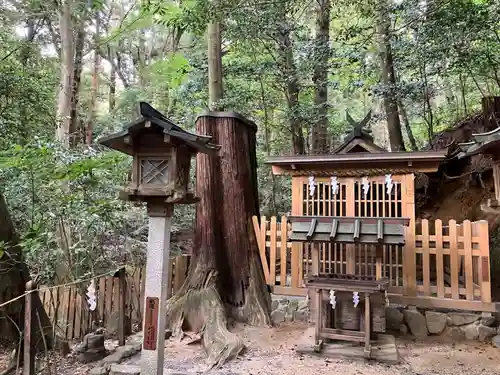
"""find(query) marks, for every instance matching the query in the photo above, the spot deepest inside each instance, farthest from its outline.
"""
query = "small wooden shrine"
(350, 230)
(366, 196)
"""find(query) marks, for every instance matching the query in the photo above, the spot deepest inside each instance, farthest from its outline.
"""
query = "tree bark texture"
(389, 81)
(225, 276)
(406, 122)
(215, 90)
(76, 129)
(320, 144)
(95, 84)
(14, 275)
(491, 112)
(66, 75)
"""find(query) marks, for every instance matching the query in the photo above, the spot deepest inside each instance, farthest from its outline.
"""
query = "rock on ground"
(416, 322)
(393, 318)
(436, 322)
(471, 332)
(462, 319)
(277, 316)
(496, 341)
(486, 333)
(124, 370)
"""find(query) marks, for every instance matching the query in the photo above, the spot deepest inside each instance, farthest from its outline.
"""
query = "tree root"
(198, 307)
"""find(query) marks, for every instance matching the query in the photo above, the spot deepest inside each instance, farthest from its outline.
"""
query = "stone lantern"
(161, 153)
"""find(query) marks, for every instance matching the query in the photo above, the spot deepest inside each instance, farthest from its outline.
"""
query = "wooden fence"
(68, 310)
(441, 265)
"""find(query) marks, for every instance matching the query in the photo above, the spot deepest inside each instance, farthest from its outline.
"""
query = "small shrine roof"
(358, 155)
(342, 229)
(116, 141)
(481, 143)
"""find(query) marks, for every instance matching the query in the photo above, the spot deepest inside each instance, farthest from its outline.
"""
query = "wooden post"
(379, 249)
(367, 326)
(157, 261)
(318, 343)
(29, 347)
(122, 308)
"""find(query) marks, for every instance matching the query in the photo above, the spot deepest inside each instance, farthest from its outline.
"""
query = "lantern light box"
(162, 153)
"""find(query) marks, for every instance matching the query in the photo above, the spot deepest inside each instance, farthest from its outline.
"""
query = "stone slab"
(384, 350)
(124, 370)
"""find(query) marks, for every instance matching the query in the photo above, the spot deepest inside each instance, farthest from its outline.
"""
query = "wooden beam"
(380, 231)
(312, 228)
(335, 226)
(357, 229)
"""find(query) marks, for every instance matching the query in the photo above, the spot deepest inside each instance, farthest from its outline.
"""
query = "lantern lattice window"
(154, 171)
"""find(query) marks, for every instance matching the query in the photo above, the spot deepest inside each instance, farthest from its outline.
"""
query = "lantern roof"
(157, 121)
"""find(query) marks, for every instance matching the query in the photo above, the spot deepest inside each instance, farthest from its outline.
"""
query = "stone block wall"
(397, 319)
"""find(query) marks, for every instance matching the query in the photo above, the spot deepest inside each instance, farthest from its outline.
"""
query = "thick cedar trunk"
(225, 276)
(112, 88)
(322, 53)
(389, 81)
(14, 275)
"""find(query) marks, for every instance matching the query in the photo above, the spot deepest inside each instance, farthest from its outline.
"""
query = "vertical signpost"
(156, 286)
(162, 153)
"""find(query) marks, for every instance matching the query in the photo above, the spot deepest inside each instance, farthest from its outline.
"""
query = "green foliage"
(445, 58)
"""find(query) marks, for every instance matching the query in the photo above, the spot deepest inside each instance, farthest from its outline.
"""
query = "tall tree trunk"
(291, 84)
(64, 130)
(95, 83)
(75, 121)
(215, 91)
(319, 134)
(225, 268)
(112, 88)
(14, 275)
(406, 122)
(389, 81)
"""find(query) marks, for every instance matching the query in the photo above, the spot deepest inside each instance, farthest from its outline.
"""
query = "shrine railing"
(442, 265)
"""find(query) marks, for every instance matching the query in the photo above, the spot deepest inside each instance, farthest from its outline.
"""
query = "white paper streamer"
(355, 298)
(366, 185)
(91, 296)
(335, 185)
(312, 186)
(388, 184)
(333, 302)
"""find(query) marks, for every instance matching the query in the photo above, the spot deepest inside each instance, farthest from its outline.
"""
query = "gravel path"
(271, 351)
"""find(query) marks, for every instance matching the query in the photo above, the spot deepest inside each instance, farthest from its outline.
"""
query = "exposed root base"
(198, 306)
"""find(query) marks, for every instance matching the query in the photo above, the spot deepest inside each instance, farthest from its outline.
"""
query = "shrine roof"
(481, 143)
(160, 123)
(379, 162)
(342, 229)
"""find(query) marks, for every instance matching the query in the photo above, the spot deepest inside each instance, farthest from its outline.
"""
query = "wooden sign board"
(151, 323)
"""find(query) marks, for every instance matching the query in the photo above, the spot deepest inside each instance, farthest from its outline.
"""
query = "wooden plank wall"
(68, 310)
(450, 263)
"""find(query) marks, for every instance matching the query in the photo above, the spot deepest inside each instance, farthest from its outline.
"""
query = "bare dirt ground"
(272, 351)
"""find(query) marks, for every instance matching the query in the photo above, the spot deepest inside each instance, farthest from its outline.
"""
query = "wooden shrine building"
(440, 265)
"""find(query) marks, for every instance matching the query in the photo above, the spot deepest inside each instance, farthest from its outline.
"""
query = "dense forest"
(72, 71)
